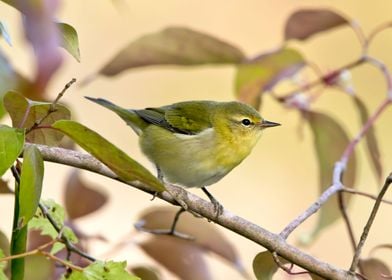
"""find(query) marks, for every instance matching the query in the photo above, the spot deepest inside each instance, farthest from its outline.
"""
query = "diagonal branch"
(247, 229)
(369, 223)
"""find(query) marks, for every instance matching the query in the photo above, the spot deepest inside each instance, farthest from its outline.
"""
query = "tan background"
(279, 179)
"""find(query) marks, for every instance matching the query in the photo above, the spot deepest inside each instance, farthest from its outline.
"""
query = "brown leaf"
(371, 140)
(80, 198)
(182, 257)
(4, 188)
(206, 235)
(262, 73)
(374, 269)
(175, 46)
(330, 140)
(304, 23)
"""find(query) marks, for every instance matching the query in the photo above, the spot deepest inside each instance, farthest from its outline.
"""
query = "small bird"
(194, 143)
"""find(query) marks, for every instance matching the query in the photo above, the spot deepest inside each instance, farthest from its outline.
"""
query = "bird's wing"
(184, 117)
(190, 117)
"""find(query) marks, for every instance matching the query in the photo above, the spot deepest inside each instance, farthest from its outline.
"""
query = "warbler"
(194, 143)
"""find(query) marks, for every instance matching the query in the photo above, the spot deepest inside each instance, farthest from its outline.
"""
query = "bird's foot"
(218, 208)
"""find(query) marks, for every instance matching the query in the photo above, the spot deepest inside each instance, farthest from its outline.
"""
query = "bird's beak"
(266, 123)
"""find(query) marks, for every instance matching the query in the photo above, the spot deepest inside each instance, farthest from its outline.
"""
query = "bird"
(194, 143)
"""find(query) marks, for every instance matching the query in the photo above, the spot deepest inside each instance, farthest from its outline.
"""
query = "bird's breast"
(192, 160)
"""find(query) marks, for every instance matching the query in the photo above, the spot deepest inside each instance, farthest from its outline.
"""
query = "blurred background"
(280, 178)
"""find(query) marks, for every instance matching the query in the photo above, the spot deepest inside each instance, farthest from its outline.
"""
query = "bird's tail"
(128, 115)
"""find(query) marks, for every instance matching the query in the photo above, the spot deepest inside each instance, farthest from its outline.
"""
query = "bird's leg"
(218, 208)
(175, 221)
(160, 177)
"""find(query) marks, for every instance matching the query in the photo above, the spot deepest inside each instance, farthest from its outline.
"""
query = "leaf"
(4, 188)
(69, 39)
(146, 273)
(374, 269)
(120, 163)
(77, 190)
(325, 128)
(264, 265)
(182, 257)
(30, 184)
(4, 33)
(3, 266)
(41, 223)
(262, 73)
(38, 267)
(175, 46)
(371, 140)
(26, 113)
(102, 270)
(304, 23)
(4, 243)
(206, 235)
(11, 146)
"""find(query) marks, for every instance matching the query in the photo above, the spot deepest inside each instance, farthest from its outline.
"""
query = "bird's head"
(240, 120)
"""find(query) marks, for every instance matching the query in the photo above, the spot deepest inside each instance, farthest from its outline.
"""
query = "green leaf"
(120, 163)
(69, 39)
(330, 140)
(102, 270)
(264, 265)
(26, 113)
(11, 146)
(262, 73)
(30, 184)
(146, 273)
(3, 266)
(371, 140)
(57, 212)
(304, 23)
(175, 46)
(39, 267)
(4, 33)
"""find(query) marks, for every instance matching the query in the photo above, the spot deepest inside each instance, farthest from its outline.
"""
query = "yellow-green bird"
(195, 143)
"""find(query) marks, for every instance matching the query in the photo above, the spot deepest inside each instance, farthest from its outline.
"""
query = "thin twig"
(343, 210)
(321, 80)
(61, 93)
(374, 197)
(70, 247)
(369, 223)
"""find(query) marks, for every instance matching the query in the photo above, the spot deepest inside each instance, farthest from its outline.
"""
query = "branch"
(369, 223)
(247, 229)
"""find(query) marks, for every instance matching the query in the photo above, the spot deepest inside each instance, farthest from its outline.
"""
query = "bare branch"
(369, 223)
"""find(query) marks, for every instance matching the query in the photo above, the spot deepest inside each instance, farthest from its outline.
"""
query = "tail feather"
(129, 116)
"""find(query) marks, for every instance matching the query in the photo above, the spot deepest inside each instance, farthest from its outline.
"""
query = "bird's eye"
(246, 122)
